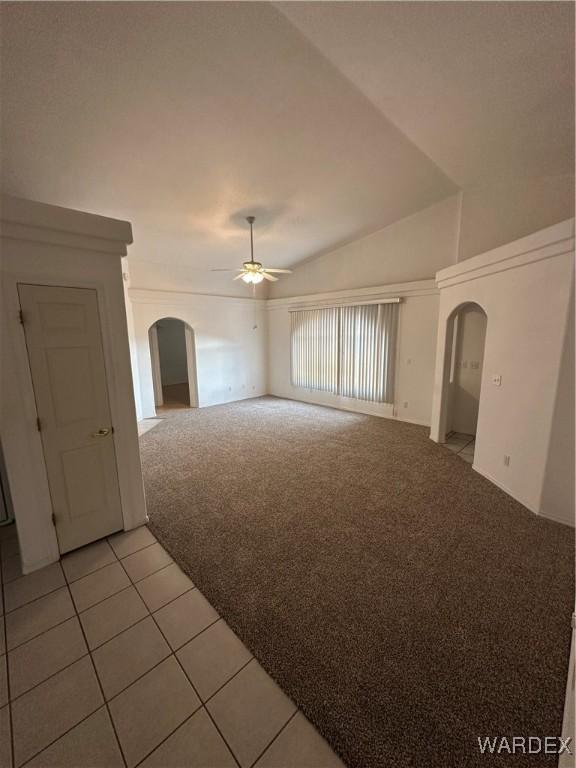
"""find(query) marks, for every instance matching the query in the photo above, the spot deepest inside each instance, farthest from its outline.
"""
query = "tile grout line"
(104, 704)
(203, 703)
(136, 550)
(43, 632)
(66, 586)
(173, 652)
(186, 719)
(101, 689)
(267, 747)
(190, 682)
(55, 741)
(35, 599)
(212, 695)
(129, 626)
(106, 565)
(114, 594)
(9, 702)
(53, 674)
(131, 584)
(76, 615)
(180, 647)
(252, 658)
(162, 568)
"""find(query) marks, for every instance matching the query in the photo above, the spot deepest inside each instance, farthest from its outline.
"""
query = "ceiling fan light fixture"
(253, 272)
(253, 277)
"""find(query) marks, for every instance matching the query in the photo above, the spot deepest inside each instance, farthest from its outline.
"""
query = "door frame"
(35, 505)
(447, 331)
(191, 365)
(156, 367)
(191, 369)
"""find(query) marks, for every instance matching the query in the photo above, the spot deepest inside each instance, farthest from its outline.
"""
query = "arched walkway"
(462, 371)
(173, 360)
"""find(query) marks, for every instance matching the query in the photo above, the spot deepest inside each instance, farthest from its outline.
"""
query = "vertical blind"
(315, 349)
(348, 351)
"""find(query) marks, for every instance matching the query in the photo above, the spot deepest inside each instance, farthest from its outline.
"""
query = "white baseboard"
(504, 488)
(382, 413)
(526, 503)
(411, 421)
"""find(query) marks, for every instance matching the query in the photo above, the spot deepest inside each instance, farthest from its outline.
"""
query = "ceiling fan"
(252, 271)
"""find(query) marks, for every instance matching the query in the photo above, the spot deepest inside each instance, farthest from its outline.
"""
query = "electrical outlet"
(506, 460)
(496, 379)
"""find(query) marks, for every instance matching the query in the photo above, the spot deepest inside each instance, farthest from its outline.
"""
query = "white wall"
(525, 290)
(414, 248)
(48, 245)
(230, 339)
(415, 349)
(172, 351)
(499, 213)
(558, 489)
(468, 358)
(131, 338)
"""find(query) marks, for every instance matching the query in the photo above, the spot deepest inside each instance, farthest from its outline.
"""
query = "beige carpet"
(405, 603)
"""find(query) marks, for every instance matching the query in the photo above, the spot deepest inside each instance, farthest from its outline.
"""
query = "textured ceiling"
(486, 89)
(327, 120)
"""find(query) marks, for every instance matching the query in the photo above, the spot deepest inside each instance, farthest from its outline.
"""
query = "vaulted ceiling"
(326, 120)
(485, 89)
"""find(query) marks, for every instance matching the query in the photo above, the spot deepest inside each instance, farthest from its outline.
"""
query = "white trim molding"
(38, 222)
(544, 244)
(375, 295)
(154, 296)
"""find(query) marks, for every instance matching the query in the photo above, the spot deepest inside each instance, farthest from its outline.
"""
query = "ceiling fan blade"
(284, 271)
(239, 276)
(268, 277)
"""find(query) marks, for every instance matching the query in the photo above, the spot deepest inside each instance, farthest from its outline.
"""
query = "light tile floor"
(113, 658)
(462, 445)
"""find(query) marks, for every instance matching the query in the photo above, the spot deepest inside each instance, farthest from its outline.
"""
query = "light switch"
(496, 379)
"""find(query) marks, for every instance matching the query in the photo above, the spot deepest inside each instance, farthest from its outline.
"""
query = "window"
(348, 351)
(315, 349)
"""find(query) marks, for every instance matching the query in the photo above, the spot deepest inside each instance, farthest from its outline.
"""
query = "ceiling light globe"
(247, 277)
(257, 277)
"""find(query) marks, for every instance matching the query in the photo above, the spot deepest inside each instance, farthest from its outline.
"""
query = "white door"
(64, 342)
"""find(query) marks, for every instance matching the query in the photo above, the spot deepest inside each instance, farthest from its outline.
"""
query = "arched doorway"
(461, 387)
(173, 358)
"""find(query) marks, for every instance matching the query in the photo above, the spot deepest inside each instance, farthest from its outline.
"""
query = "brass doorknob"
(101, 433)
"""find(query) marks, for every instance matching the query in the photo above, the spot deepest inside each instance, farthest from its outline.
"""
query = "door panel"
(64, 342)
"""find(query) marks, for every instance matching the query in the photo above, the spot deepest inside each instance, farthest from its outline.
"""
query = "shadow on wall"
(173, 359)
(558, 489)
